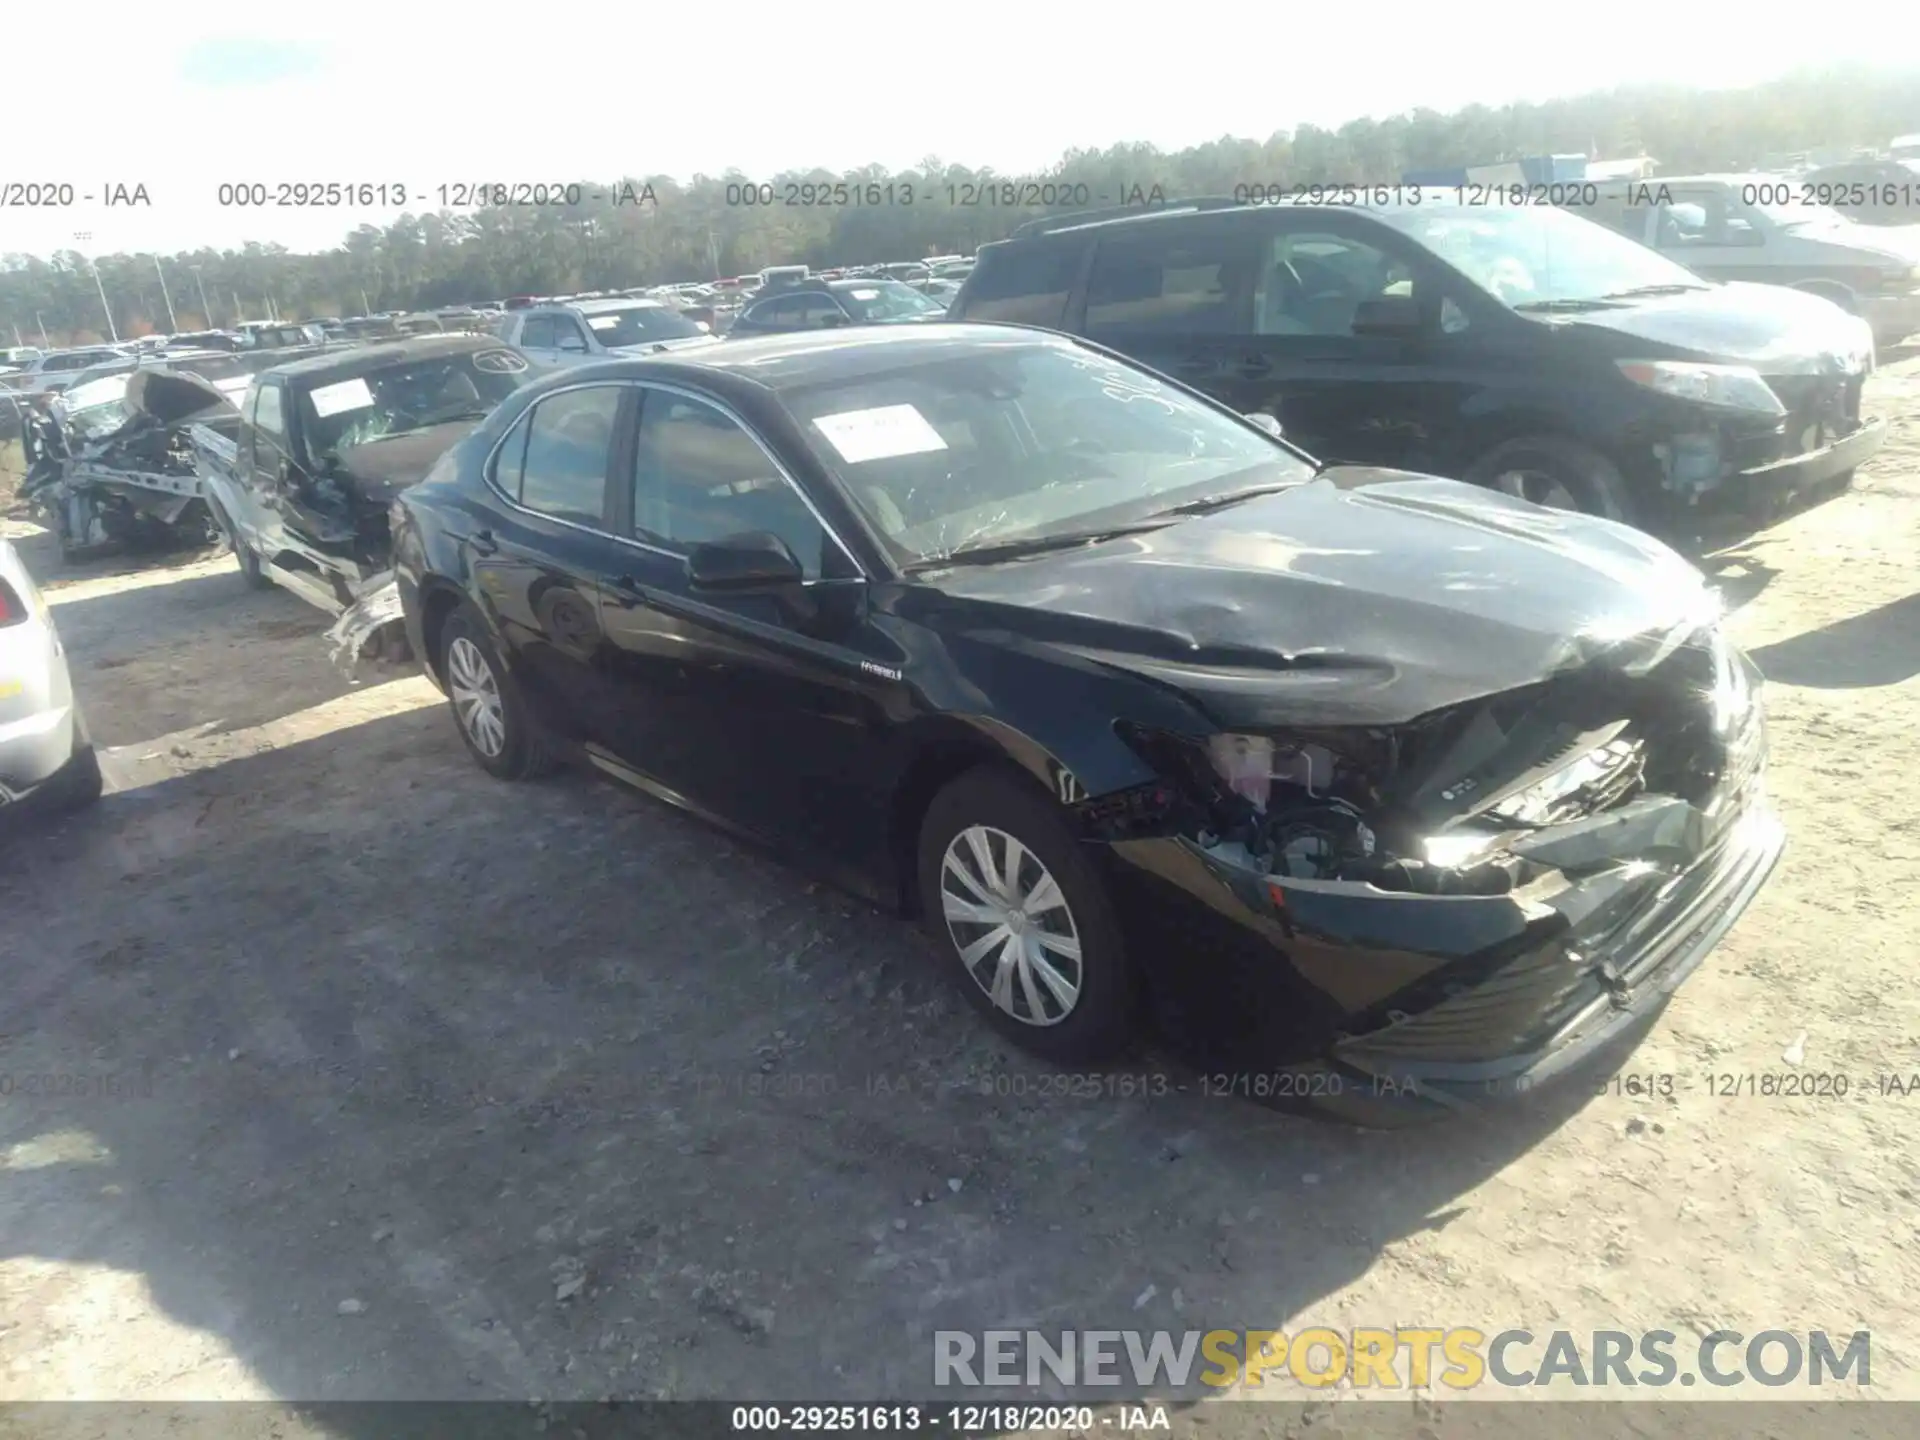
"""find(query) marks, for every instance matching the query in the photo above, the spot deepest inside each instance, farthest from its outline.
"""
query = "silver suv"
(583, 331)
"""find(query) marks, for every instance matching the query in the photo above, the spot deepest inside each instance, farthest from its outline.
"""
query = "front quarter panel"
(1051, 713)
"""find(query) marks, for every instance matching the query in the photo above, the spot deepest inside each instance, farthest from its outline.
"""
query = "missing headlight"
(1251, 764)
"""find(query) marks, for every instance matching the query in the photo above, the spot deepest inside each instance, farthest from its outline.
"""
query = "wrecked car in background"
(117, 466)
(1378, 792)
(321, 446)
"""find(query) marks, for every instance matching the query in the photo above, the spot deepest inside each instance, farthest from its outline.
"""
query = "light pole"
(112, 329)
(206, 310)
(45, 344)
(173, 322)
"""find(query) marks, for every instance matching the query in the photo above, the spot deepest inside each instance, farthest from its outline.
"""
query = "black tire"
(525, 750)
(1593, 482)
(1101, 1021)
(79, 783)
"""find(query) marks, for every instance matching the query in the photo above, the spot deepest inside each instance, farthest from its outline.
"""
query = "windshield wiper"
(987, 554)
(1682, 288)
(1593, 302)
(1221, 501)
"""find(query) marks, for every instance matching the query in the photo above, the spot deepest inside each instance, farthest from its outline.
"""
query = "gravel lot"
(372, 1077)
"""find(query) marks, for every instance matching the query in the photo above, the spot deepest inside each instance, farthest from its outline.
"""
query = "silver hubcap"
(1010, 923)
(476, 697)
(1539, 488)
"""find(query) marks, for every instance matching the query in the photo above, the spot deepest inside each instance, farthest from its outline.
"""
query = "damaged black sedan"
(1387, 793)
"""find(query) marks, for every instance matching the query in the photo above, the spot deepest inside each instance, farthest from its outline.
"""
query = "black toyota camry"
(1364, 788)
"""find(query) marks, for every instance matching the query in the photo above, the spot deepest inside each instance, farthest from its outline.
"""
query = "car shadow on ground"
(1877, 647)
(407, 1084)
(1736, 570)
(251, 656)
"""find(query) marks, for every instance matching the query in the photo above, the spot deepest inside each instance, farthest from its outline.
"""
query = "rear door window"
(1165, 284)
(569, 441)
(536, 332)
(1022, 285)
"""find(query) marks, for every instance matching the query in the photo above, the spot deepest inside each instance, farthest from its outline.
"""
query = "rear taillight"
(12, 611)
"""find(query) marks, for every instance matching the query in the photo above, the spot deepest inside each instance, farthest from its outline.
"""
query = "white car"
(46, 757)
(582, 331)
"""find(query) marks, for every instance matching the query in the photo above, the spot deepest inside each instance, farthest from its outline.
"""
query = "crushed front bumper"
(1425, 1004)
(1783, 481)
(1602, 995)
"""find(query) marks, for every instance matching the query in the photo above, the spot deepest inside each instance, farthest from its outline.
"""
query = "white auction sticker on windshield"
(865, 294)
(344, 395)
(603, 322)
(880, 434)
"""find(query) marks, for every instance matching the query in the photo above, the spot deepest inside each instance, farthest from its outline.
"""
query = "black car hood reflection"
(1362, 597)
(1774, 328)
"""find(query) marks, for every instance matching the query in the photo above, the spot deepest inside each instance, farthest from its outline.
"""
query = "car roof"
(807, 357)
(599, 307)
(376, 355)
(1727, 177)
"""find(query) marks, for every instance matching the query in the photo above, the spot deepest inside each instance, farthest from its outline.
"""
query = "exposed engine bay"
(1487, 797)
(116, 465)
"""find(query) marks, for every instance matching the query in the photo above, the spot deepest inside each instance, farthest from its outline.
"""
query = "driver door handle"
(1254, 367)
(483, 543)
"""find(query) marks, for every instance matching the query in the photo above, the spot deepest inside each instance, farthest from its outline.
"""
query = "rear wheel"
(1024, 920)
(1559, 474)
(488, 708)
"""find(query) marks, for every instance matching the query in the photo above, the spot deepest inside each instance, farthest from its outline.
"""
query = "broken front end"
(116, 474)
(1465, 906)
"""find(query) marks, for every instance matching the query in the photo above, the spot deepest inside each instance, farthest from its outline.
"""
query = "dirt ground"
(336, 1069)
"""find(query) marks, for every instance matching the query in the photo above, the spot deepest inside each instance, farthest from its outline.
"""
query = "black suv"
(1522, 347)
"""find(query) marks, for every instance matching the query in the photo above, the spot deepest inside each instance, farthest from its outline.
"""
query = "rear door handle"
(629, 587)
(483, 543)
(1254, 367)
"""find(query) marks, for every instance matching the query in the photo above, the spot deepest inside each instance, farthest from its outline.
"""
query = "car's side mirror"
(1739, 232)
(1389, 315)
(828, 322)
(756, 560)
(1265, 422)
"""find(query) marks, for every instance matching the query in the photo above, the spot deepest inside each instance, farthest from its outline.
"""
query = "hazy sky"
(182, 97)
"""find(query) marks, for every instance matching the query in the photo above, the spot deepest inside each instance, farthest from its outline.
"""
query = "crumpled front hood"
(380, 469)
(1776, 330)
(171, 396)
(1362, 597)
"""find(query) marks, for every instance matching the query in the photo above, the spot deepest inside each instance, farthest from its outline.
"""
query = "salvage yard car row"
(1168, 698)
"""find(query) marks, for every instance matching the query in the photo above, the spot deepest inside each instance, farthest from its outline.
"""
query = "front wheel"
(491, 713)
(1559, 474)
(1024, 920)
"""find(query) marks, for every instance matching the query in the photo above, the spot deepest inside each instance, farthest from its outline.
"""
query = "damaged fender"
(371, 629)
